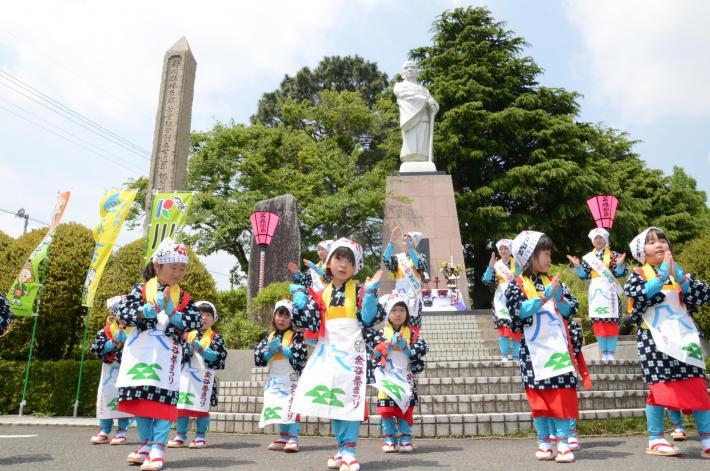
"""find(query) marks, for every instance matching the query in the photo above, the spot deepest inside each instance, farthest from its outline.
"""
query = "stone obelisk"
(171, 142)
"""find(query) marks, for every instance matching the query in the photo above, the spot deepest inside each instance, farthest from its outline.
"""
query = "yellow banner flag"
(114, 209)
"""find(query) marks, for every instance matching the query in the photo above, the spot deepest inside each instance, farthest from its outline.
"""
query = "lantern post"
(263, 225)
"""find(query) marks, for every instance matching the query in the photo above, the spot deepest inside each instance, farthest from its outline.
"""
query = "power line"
(120, 164)
(31, 93)
(101, 149)
(15, 213)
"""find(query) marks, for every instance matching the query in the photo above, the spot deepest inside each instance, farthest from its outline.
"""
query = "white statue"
(416, 119)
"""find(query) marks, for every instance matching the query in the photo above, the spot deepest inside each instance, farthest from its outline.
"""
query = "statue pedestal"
(417, 167)
(425, 202)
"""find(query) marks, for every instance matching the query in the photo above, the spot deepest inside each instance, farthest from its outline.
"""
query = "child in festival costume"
(602, 265)
(198, 386)
(314, 277)
(5, 314)
(539, 306)
(149, 378)
(407, 267)
(285, 353)
(504, 271)
(108, 346)
(399, 350)
(333, 382)
(664, 298)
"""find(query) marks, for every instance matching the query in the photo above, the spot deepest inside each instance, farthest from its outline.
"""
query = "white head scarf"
(284, 303)
(415, 236)
(598, 231)
(170, 251)
(524, 245)
(395, 297)
(325, 244)
(637, 245)
(199, 304)
(348, 244)
(504, 242)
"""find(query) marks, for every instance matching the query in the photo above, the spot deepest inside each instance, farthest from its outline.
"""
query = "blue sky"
(639, 64)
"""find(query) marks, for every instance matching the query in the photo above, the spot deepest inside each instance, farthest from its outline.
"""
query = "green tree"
(60, 328)
(322, 165)
(349, 73)
(518, 157)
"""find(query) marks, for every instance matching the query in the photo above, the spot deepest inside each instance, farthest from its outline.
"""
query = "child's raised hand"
(621, 259)
(493, 261)
(374, 282)
(574, 260)
(275, 344)
(292, 267)
(394, 235)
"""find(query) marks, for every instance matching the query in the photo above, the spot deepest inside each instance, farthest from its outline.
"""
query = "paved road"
(59, 448)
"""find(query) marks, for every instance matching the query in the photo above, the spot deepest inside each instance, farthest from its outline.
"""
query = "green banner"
(24, 289)
(167, 216)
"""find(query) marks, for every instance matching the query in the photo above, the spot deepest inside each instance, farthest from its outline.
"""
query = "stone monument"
(285, 247)
(417, 110)
(171, 142)
(418, 197)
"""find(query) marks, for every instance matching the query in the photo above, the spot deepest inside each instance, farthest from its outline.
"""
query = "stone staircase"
(464, 390)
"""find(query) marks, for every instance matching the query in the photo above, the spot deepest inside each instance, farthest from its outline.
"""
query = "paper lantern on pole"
(263, 226)
(603, 210)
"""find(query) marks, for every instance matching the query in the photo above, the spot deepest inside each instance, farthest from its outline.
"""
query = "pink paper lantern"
(263, 225)
(603, 210)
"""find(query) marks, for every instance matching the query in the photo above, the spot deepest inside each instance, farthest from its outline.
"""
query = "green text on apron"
(604, 291)
(395, 379)
(279, 392)
(150, 358)
(107, 395)
(674, 331)
(546, 340)
(332, 385)
(196, 382)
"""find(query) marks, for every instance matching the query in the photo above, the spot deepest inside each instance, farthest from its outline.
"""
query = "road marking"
(17, 436)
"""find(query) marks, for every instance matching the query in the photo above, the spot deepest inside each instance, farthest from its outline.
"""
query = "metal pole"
(81, 364)
(23, 402)
(262, 266)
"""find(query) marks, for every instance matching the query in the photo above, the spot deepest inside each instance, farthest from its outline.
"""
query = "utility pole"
(21, 213)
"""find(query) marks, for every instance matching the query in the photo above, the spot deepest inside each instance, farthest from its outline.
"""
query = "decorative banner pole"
(113, 209)
(603, 210)
(263, 225)
(26, 291)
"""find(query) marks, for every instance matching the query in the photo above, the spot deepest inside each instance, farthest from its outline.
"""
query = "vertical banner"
(113, 210)
(24, 289)
(167, 216)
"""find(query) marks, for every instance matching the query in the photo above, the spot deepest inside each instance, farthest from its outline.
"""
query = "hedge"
(51, 389)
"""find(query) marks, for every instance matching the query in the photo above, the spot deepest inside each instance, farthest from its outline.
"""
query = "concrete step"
(425, 426)
(474, 369)
(447, 386)
(467, 403)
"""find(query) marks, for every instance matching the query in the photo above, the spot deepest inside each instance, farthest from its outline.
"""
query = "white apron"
(196, 381)
(395, 379)
(150, 358)
(409, 284)
(279, 392)
(604, 291)
(332, 385)
(674, 331)
(546, 339)
(500, 310)
(107, 395)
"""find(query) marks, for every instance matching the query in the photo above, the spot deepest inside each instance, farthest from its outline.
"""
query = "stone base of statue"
(417, 167)
(424, 202)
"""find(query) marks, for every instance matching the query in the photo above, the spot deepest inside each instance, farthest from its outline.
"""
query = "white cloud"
(646, 59)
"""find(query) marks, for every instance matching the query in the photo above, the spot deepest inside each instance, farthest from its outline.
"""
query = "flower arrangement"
(450, 270)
